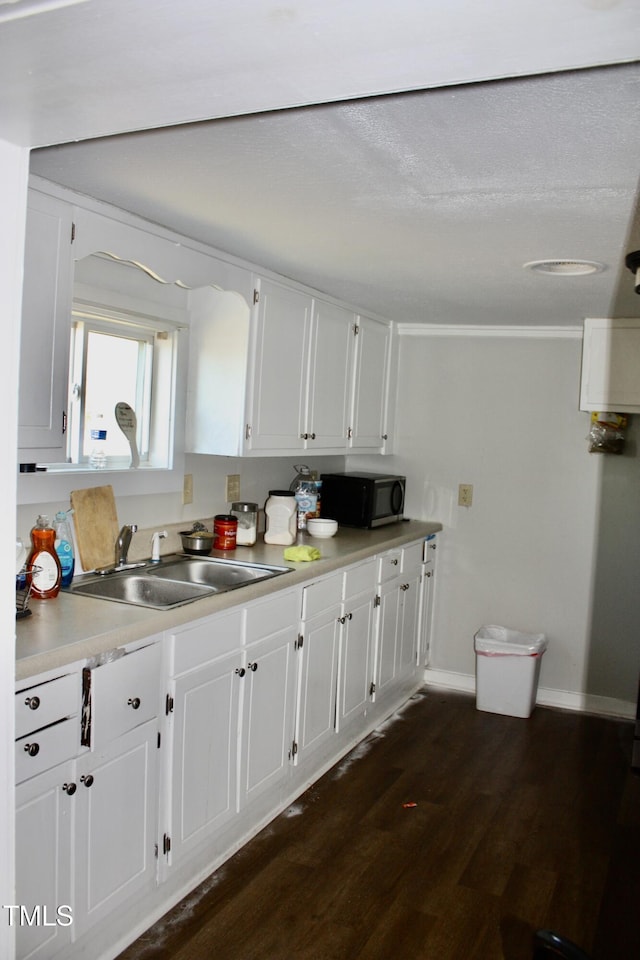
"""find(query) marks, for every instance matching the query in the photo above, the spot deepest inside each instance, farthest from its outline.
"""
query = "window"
(115, 356)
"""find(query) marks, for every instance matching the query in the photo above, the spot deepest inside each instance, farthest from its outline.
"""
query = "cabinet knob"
(304, 436)
(33, 749)
(349, 616)
(405, 586)
(394, 562)
(252, 666)
(240, 671)
(32, 702)
(385, 436)
(88, 780)
(69, 788)
(134, 702)
(312, 436)
(429, 573)
(341, 619)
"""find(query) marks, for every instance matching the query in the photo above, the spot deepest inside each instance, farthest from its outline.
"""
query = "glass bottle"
(43, 563)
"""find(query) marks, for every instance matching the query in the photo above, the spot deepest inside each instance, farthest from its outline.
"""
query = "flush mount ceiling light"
(565, 268)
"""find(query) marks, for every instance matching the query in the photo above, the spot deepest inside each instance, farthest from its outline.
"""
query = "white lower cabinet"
(319, 646)
(44, 817)
(116, 818)
(230, 717)
(355, 689)
(399, 607)
(268, 705)
(86, 828)
(426, 600)
(203, 744)
(193, 740)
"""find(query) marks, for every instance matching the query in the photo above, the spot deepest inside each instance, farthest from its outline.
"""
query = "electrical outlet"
(232, 487)
(465, 494)
(187, 488)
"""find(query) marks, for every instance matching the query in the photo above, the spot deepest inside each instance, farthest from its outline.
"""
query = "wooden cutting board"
(95, 520)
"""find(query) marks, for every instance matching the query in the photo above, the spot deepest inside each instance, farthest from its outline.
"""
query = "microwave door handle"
(397, 497)
(365, 510)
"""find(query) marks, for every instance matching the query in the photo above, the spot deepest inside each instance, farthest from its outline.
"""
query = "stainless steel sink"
(214, 572)
(175, 581)
(142, 590)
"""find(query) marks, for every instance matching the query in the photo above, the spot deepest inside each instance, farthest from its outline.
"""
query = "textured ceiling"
(419, 206)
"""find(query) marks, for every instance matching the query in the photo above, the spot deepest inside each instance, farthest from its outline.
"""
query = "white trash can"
(507, 670)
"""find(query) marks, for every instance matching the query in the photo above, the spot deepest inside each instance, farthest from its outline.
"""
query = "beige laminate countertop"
(72, 628)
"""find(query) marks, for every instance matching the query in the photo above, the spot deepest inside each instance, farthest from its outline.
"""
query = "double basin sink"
(174, 581)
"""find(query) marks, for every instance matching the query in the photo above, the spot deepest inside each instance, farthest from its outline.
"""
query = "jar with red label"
(225, 531)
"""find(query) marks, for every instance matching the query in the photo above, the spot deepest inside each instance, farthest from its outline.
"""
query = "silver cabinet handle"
(32, 702)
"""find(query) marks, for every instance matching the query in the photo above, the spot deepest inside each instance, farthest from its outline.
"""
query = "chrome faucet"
(122, 544)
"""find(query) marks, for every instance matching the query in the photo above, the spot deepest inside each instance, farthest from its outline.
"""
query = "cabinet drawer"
(321, 595)
(205, 641)
(46, 748)
(389, 566)
(123, 694)
(265, 617)
(412, 556)
(44, 703)
(361, 578)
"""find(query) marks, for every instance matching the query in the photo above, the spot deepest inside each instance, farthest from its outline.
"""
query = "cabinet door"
(46, 324)
(330, 378)
(355, 658)
(204, 754)
(317, 699)
(280, 369)
(116, 825)
(611, 365)
(267, 714)
(407, 646)
(426, 610)
(387, 637)
(44, 819)
(373, 344)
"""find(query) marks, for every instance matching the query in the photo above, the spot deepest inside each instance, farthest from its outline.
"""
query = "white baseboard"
(547, 697)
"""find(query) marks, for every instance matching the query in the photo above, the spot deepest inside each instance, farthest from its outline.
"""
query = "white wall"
(13, 203)
(501, 413)
(257, 477)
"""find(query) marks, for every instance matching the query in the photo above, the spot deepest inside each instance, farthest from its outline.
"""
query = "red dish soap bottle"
(43, 563)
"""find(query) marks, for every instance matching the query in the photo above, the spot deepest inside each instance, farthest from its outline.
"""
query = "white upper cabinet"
(330, 377)
(297, 373)
(277, 398)
(611, 365)
(371, 414)
(44, 353)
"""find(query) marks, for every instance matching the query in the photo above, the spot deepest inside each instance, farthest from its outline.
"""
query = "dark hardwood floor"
(513, 825)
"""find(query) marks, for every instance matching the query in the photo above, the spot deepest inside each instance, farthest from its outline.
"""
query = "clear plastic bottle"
(64, 546)
(98, 455)
(280, 512)
(43, 564)
(306, 499)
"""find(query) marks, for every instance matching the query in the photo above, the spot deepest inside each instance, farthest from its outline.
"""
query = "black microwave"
(362, 499)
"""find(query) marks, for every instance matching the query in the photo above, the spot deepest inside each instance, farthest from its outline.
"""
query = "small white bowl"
(322, 527)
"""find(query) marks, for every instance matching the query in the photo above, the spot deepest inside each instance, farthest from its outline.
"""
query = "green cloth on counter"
(301, 553)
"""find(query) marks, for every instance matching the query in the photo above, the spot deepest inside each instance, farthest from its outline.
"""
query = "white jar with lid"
(280, 511)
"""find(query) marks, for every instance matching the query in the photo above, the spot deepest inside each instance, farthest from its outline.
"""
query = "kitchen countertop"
(72, 627)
